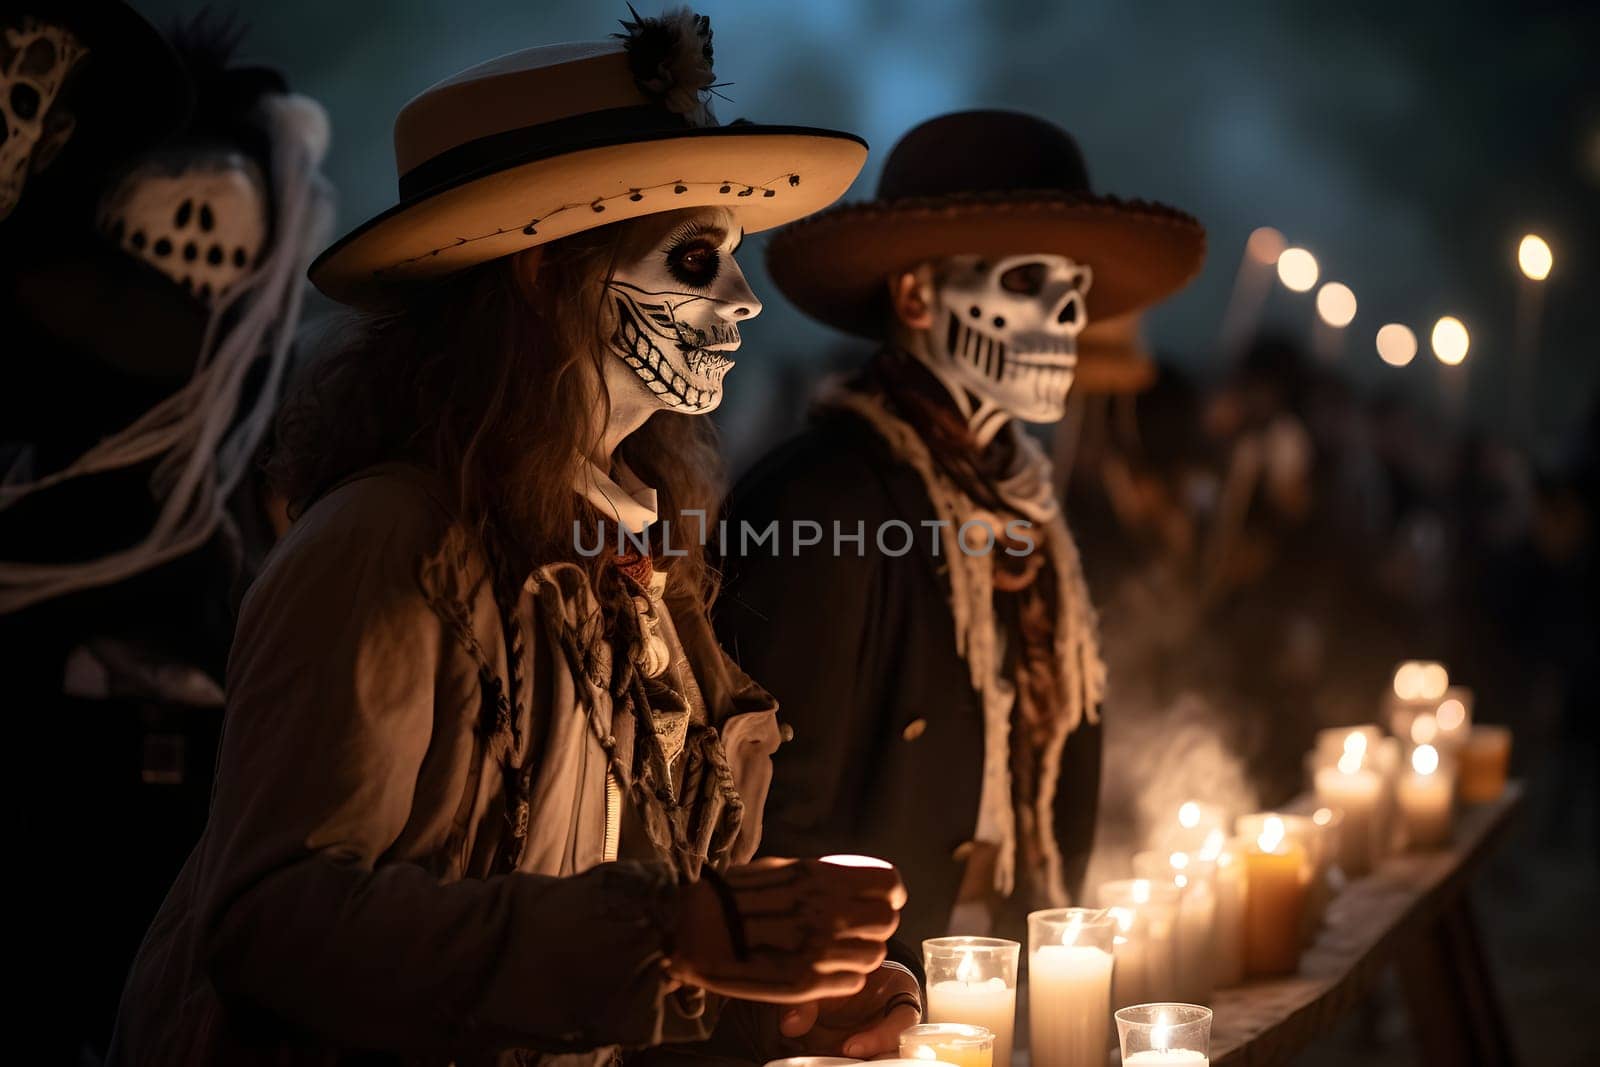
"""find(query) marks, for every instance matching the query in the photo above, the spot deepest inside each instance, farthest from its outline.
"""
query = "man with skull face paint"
(937, 654)
(489, 790)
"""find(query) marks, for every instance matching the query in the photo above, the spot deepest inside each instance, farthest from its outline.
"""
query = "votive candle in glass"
(1302, 831)
(1357, 790)
(1275, 901)
(1229, 931)
(1484, 761)
(953, 1043)
(1165, 1035)
(1194, 939)
(1145, 943)
(1069, 987)
(1425, 796)
(973, 980)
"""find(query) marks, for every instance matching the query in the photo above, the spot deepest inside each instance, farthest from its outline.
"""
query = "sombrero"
(547, 142)
(1113, 358)
(990, 183)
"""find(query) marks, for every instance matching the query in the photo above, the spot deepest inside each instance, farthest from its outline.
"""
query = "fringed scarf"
(1023, 624)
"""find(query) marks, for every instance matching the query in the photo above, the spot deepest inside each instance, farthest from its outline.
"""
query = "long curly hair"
(492, 380)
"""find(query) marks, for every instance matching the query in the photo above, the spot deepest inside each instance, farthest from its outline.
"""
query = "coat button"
(914, 729)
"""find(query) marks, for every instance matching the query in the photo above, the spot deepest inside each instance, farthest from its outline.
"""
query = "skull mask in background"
(199, 216)
(1006, 332)
(679, 307)
(35, 60)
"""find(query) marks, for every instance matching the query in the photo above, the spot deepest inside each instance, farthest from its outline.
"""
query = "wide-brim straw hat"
(988, 183)
(547, 142)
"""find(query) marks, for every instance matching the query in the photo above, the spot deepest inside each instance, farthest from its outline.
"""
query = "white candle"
(1165, 1034)
(1358, 792)
(1130, 979)
(973, 980)
(1425, 796)
(1229, 938)
(1069, 987)
(1193, 939)
(989, 1003)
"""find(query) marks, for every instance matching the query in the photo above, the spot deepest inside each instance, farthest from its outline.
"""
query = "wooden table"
(1412, 913)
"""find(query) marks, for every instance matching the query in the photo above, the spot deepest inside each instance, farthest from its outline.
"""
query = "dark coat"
(859, 650)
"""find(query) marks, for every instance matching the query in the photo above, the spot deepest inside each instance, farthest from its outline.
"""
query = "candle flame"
(1434, 679)
(1124, 917)
(1451, 714)
(1424, 728)
(1350, 762)
(1322, 816)
(1214, 843)
(1141, 891)
(1425, 760)
(1189, 815)
(1161, 1033)
(1074, 927)
(1272, 834)
(1179, 860)
(967, 969)
(924, 1052)
(859, 861)
(1180, 880)
(1355, 742)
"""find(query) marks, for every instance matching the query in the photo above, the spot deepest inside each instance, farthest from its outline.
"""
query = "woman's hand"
(786, 931)
(863, 1026)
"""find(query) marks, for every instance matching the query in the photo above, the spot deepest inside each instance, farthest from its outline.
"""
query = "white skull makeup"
(200, 219)
(679, 307)
(35, 59)
(1006, 332)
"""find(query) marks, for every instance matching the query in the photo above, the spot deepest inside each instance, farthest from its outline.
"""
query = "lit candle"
(973, 980)
(1275, 902)
(1453, 717)
(1194, 947)
(1419, 680)
(1425, 796)
(1357, 791)
(1229, 931)
(1069, 987)
(1300, 831)
(1130, 977)
(1485, 760)
(953, 1043)
(1148, 939)
(1165, 1035)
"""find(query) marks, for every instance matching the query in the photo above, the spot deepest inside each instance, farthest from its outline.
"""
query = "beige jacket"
(399, 861)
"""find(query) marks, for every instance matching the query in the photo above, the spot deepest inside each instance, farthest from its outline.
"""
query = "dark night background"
(1409, 146)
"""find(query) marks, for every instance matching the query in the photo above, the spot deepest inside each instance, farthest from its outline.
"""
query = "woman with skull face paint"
(488, 787)
(946, 705)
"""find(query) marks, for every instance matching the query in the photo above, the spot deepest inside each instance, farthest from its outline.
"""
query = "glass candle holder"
(1165, 1035)
(1228, 935)
(1193, 939)
(1483, 763)
(1069, 986)
(1426, 797)
(1354, 784)
(954, 1043)
(1304, 832)
(973, 981)
(1275, 899)
(812, 1061)
(1146, 917)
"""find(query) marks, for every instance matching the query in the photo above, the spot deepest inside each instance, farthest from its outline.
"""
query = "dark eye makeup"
(694, 257)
